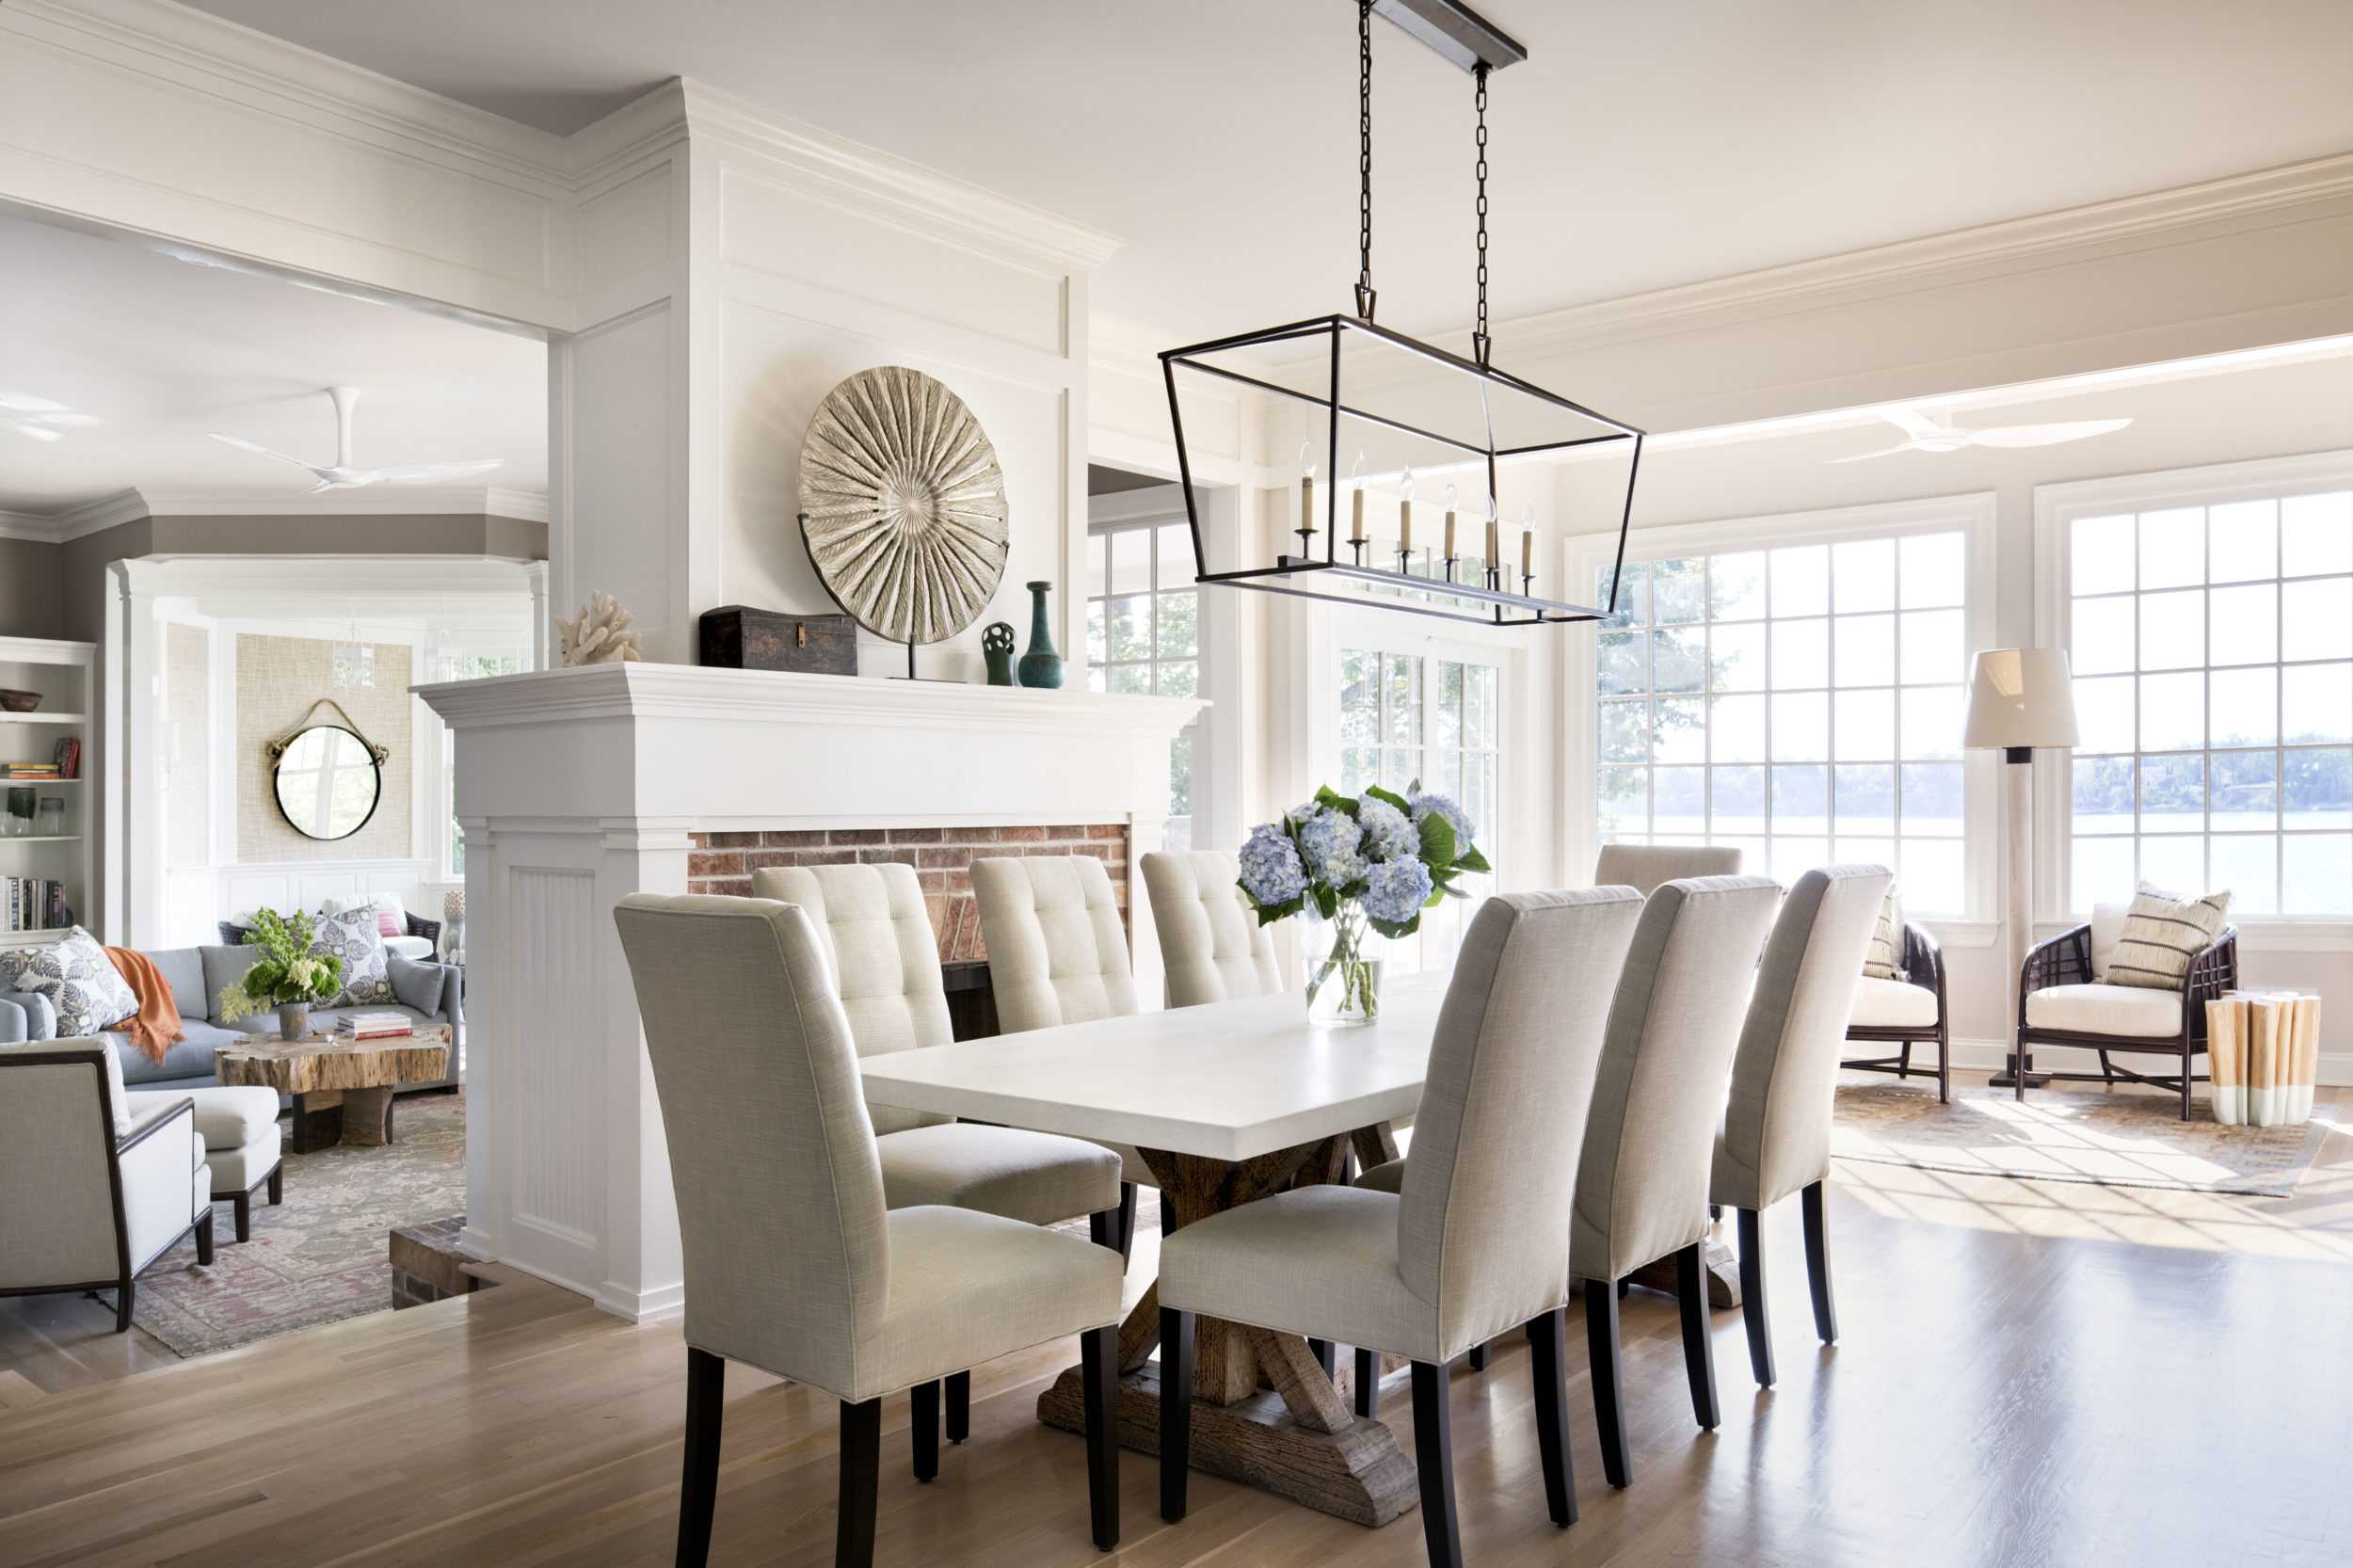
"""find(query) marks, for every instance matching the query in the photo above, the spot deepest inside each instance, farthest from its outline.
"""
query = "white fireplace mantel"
(578, 786)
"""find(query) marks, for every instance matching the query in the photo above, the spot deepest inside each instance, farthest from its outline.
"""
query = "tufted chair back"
(1211, 943)
(1057, 950)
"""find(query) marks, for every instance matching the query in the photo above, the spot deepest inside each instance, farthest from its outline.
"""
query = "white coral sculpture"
(598, 635)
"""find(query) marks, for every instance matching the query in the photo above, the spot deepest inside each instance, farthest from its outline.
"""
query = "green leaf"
(1269, 913)
(1438, 894)
(1438, 841)
(1471, 860)
(1395, 928)
(1375, 791)
(1333, 800)
(1327, 902)
(1414, 788)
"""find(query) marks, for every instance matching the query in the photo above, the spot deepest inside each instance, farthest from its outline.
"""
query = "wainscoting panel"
(559, 1170)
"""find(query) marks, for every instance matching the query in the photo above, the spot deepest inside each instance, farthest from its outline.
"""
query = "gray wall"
(30, 573)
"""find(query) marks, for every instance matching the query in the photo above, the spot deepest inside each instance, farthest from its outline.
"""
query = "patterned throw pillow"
(79, 980)
(1884, 958)
(2162, 934)
(352, 936)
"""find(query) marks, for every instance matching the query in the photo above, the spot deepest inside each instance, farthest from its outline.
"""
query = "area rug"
(321, 1255)
(2107, 1137)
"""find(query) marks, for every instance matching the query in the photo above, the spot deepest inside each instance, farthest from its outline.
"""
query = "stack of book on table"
(374, 1026)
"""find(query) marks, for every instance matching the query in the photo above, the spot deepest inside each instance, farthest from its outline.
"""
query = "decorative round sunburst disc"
(903, 506)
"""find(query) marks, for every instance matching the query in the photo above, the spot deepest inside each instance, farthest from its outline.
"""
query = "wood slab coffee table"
(342, 1089)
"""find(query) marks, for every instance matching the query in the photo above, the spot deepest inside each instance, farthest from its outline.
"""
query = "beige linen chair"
(793, 1263)
(1641, 1180)
(98, 1190)
(885, 961)
(1211, 944)
(1476, 1242)
(1643, 866)
(1776, 1129)
(1058, 954)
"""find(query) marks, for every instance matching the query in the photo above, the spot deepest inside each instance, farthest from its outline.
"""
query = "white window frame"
(2056, 509)
(1974, 515)
(1146, 510)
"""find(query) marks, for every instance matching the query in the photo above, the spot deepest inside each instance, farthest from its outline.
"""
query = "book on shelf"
(68, 761)
(34, 903)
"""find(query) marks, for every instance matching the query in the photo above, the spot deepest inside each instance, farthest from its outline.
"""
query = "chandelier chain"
(1363, 159)
(1479, 171)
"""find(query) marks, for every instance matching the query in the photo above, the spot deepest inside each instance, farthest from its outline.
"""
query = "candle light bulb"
(1356, 480)
(1494, 534)
(1306, 491)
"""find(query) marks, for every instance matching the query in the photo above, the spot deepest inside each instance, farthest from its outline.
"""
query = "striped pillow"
(1884, 958)
(2162, 934)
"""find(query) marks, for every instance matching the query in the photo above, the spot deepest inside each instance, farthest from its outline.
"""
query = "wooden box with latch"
(738, 637)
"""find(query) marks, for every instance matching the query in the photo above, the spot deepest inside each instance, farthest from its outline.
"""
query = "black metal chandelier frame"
(1466, 39)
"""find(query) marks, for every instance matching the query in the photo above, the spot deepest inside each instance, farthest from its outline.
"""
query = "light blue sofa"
(428, 993)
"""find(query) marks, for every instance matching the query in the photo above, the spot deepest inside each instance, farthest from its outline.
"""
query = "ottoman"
(239, 1127)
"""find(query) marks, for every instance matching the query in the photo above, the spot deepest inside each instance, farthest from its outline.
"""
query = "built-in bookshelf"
(50, 847)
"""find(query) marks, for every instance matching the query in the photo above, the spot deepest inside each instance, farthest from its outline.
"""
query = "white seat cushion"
(1316, 1261)
(418, 949)
(1036, 1177)
(239, 1168)
(2124, 1009)
(1892, 1004)
(967, 1287)
(227, 1116)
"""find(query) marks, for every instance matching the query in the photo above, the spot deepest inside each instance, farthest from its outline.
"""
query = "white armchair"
(98, 1188)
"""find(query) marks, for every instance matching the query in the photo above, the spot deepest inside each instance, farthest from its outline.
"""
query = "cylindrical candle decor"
(1495, 542)
(1450, 536)
(1357, 531)
(1308, 504)
(1527, 554)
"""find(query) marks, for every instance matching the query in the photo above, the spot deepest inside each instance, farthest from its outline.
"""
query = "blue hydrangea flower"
(1270, 871)
(1387, 833)
(1331, 842)
(1429, 801)
(1395, 890)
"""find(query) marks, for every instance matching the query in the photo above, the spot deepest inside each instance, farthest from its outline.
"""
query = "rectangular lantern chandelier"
(1400, 407)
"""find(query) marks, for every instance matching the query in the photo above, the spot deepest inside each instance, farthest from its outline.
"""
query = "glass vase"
(1343, 968)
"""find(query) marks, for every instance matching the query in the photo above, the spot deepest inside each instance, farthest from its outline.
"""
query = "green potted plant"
(288, 976)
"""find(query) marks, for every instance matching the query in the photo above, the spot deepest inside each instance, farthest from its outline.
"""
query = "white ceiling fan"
(341, 475)
(1937, 433)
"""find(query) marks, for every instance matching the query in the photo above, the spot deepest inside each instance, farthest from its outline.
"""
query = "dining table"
(1226, 1103)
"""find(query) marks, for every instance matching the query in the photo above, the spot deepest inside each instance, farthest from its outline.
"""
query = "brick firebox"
(942, 858)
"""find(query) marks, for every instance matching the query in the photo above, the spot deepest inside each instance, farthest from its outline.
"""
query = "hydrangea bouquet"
(1374, 862)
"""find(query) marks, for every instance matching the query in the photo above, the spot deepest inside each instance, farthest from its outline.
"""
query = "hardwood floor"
(2031, 1374)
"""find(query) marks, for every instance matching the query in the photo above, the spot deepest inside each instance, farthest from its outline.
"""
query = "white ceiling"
(161, 351)
(1641, 146)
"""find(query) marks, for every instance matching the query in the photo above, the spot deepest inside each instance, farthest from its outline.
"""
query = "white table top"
(1229, 1081)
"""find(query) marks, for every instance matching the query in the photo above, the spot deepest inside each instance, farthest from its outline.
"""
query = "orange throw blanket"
(155, 1027)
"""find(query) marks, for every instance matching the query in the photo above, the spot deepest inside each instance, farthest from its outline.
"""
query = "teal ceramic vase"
(997, 648)
(1040, 666)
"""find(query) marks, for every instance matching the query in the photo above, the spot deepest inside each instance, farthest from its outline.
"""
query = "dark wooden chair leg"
(959, 1406)
(241, 1211)
(1944, 1065)
(1715, 1212)
(923, 1427)
(1903, 1063)
(1326, 1356)
(1477, 1359)
(1549, 1365)
(1434, 1455)
(1699, 1356)
(861, 1484)
(1753, 1312)
(2185, 1056)
(698, 1490)
(1367, 1383)
(1168, 1215)
(1103, 1229)
(1098, 1362)
(1601, 1350)
(1812, 1204)
(277, 1186)
(1126, 1228)
(123, 1292)
(2106, 1072)
(1176, 1410)
(204, 1237)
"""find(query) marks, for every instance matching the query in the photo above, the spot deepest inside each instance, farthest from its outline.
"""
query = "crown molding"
(867, 180)
(73, 523)
(373, 501)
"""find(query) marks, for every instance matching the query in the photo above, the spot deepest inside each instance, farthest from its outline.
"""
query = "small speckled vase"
(1040, 666)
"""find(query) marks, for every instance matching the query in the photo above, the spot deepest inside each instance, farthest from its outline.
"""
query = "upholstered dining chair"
(1058, 954)
(1776, 1128)
(1476, 1239)
(794, 1262)
(1211, 944)
(1643, 866)
(885, 962)
(1642, 1174)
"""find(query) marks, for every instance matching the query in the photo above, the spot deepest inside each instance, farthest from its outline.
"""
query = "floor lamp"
(2020, 698)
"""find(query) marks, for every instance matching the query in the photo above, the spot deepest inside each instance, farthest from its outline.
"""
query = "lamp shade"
(2020, 696)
